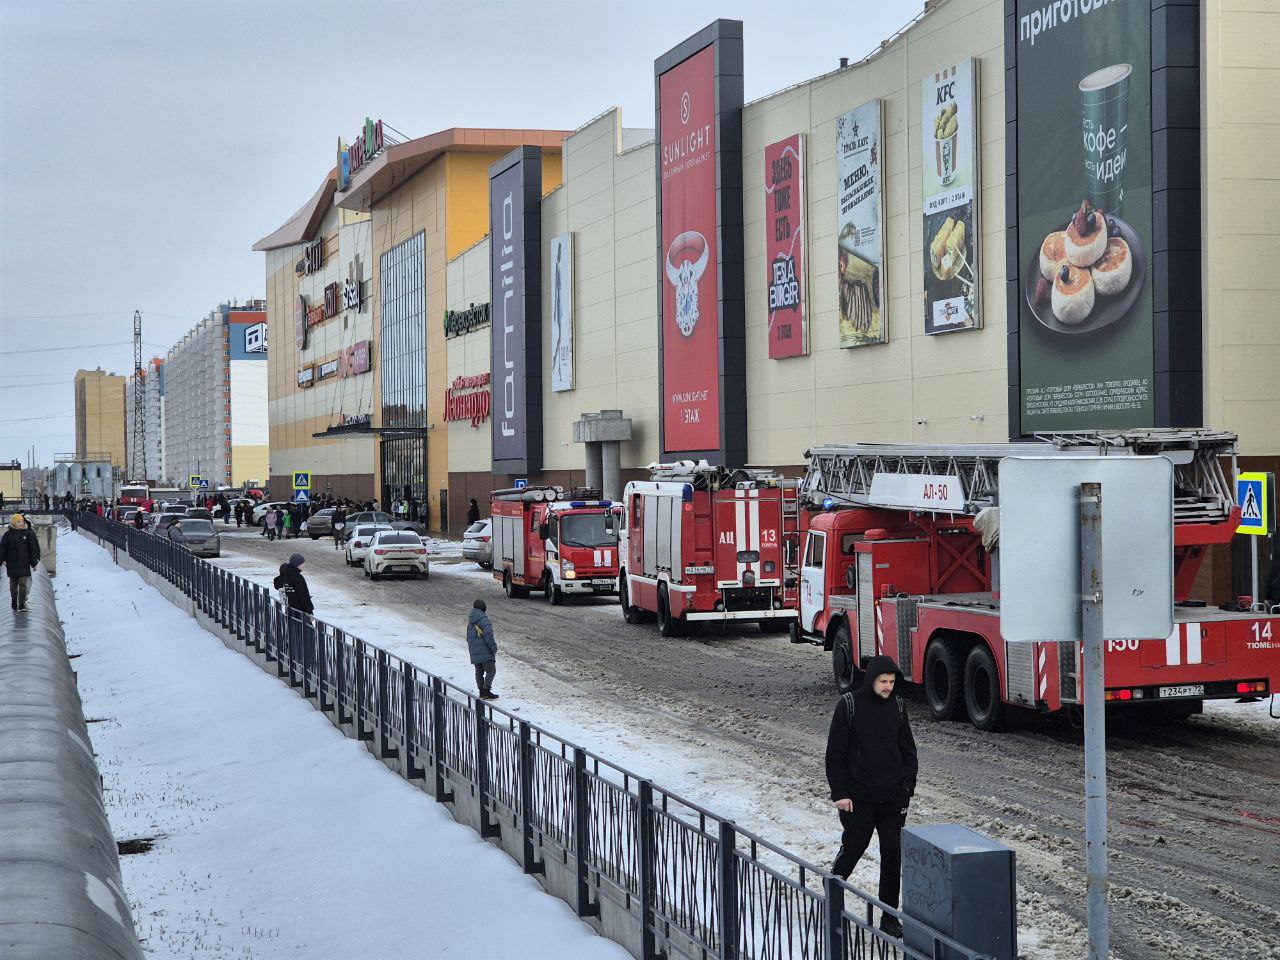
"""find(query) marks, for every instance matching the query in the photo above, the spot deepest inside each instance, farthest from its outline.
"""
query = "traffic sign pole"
(1095, 722)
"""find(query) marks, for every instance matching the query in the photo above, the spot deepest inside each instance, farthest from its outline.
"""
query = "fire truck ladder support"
(1202, 494)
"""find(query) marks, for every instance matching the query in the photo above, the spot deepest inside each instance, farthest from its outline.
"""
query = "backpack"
(848, 699)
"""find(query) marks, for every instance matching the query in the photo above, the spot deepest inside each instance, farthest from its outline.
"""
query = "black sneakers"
(488, 695)
(891, 925)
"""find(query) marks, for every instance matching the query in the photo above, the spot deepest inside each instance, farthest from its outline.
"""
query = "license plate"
(695, 569)
(1185, 690)
(602, 583)
(402, 569)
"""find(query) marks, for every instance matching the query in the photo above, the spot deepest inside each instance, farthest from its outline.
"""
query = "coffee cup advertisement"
(949, 172)
(863, 310)
(1086, 340)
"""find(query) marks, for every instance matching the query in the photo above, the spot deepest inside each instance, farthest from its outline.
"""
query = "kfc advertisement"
(690, 312)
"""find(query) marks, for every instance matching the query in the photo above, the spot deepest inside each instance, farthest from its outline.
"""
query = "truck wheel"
(668, 626)
(508, 587)
(630, 614)
(982, 689)
(842, 657)
(554, 595)
(943, 681)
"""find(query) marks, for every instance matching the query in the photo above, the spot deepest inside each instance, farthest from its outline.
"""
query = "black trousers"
(484, 674)
(886, 820)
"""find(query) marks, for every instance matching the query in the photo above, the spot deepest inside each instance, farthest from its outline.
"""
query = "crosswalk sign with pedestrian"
(301, 481)
(1252, 499)
(301, 496)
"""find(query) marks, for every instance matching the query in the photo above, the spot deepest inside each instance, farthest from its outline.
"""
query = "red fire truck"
(543, 540)
(702, 543)
(900, 554)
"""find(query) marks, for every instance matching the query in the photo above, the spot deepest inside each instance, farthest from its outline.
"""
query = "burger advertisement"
(690, 299)
(949, 172)
(1086, 351)
(784, 237)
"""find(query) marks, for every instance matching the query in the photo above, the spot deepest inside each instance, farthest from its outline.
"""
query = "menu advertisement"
(1086, 338)
(949, 171)
(863, 309)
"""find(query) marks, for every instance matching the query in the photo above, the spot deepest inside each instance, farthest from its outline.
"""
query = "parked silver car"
(378, 516)
(477, 543)
(197, 535)
(320, 524)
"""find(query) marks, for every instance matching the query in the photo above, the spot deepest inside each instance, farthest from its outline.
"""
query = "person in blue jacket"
(483, 648)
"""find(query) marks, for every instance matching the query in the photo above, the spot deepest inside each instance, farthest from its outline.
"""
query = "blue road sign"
(301, 496)
(301, 481)
(1251, 497)
(204, 483)
(521, 483)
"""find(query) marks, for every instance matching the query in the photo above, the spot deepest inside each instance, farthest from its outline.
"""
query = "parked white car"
(358, 542)
(477, 543)
(396, 553)
(261, 509)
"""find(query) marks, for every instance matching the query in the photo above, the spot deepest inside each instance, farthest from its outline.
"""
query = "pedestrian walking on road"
(19, 552)
(483, 648)
(286, 530)
(293, 585)
(871, 767)
(269, 524)
(338, 521)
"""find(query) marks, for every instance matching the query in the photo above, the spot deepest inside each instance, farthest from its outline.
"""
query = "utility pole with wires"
(139, 452)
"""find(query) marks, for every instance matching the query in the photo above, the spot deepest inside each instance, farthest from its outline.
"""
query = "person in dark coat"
(338, 521)
(473, 512)
(19, 552)
(294, 586)
(483, 648)
(871, 767)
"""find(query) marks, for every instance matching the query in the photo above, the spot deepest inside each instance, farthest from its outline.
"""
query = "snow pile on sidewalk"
(275, 836)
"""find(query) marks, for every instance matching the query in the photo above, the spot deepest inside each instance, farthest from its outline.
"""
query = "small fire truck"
(544, 540)
(900, 554)
(701, 543)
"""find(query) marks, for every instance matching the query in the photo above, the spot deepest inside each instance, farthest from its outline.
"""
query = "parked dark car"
(165, 519)
(378, 516)
(197, 535)
(199, 513)
(320, 524)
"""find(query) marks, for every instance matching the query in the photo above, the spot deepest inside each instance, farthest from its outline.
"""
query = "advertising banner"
(949, 172)
(247, 341)
(860, 227)
(1085, 323)
(784, 238)
(515, 286)
(690, 298)
(562, 313)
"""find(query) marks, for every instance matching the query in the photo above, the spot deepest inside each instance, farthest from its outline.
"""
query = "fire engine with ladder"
(701, 543)
(900, 552)
(562, 545)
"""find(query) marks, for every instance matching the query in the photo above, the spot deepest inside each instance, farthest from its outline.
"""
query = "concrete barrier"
(60, 889)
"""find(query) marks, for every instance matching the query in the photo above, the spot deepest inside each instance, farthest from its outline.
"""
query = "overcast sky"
(145, 146)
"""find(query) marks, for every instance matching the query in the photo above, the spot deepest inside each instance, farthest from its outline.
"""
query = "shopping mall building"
(1013, 218)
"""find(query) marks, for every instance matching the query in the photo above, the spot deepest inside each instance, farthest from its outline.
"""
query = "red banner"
(784, 247)
(690, 298)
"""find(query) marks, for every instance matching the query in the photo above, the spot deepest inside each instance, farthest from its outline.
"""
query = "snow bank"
(275, 835)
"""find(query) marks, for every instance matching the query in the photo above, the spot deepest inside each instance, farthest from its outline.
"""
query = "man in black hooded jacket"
(871, 767)
(294, 585)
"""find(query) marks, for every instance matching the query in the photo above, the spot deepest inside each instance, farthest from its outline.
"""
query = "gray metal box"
(961, 884)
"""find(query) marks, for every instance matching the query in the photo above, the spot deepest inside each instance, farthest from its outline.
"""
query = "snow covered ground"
(275, 835)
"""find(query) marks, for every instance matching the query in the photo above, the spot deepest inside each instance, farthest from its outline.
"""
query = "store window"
(404, 373)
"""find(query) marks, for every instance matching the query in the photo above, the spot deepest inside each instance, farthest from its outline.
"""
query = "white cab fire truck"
(701, 543)
(899, 556)
(561, 545)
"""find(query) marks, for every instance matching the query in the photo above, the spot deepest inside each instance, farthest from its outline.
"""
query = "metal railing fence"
(675, 879)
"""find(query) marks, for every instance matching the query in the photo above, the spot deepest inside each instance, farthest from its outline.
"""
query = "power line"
(79, 346)
(42, 383)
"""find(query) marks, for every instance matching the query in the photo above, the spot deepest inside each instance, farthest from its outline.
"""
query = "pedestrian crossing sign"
(1252, 497)
(197, 482)
(301, 481)
(301, 496)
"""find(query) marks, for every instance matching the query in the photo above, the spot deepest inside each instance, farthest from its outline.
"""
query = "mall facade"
(1012, 219)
